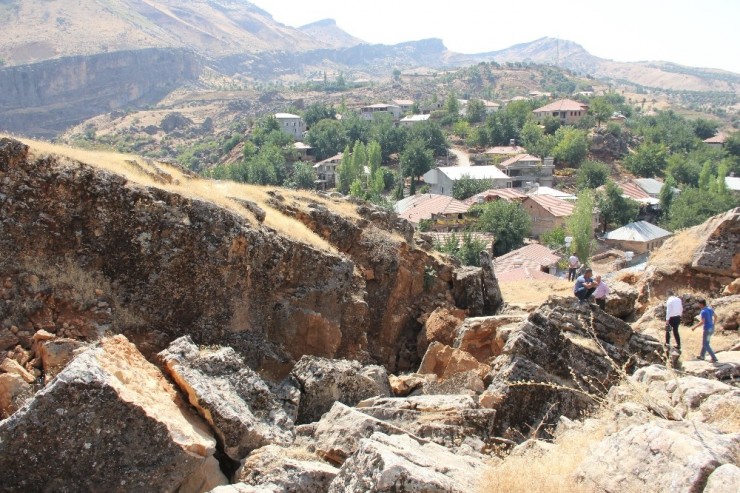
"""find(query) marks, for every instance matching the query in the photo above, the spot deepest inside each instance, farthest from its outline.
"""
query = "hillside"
(330, 34)
(35, 30)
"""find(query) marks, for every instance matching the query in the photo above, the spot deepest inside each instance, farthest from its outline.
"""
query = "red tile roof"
(533, 256)
(632, 190)
(520, 157)
(508, 194)
(524, 274)
(720, 138)
(563, 105)
(506, 150)
(435, 204)
(553, 205)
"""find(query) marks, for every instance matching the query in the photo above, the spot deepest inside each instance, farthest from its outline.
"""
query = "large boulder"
(234, 400)
(620, 302)
(440, 326)
(109, 421)
(445, 361)
(14, 391)
(476, 289)
(324, 382)
(399, 463)
(484, 337)
(282, 470)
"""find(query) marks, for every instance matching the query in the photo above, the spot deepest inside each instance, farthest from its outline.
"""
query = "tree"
(461, 128)
(572, 145)
(693, 206)
(592, 174)
(327, 138)
(705, 177)
(374, 156)
(465, 187)
(396, 74)
(416, 160)
(476, 111)
(580, 226)
(317, 112)
(601, 109)
(452, 106)
(392, 139)
(345, 173)
(303, 176)
(615, 210)
(551, 124)
(431, 136)
(705, 128)
(666, 195)
(508, 222)
(648, 160)
(732, 144)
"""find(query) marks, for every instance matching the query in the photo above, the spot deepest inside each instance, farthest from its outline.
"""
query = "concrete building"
(291, 124)
(442, 179)
(566, 110)
(411, 120)
(326, 172)
(638, 237)
(372, 111)
(526, 170)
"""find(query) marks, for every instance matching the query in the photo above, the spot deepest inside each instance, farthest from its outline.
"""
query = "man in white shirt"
(573, 263)
(673, 313)
(601, 291)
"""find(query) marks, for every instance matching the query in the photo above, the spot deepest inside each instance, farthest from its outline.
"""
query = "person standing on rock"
(585, 285)
(673, 313)
(709, 319)
(573, 264)
(602, 289)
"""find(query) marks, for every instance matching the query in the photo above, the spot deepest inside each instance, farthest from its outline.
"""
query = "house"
(733, 184)
(326, 172)
(445, 212)
(292, 125)
(546, 212)
(411, 120)
(716, 141)
(527, 262)
(566, 110)
(442, 179)
(303, 152)
(498, 154)
(370, 112)
(638, 237)
(404, 104)
(526, 169)
(442, 237)
(507, 194)
(491, 107)
(552, 192)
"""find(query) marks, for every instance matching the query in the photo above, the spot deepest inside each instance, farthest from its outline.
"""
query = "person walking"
(573, 264)
(584, 286)
(673, 313)
(602, 290)
(708, 318)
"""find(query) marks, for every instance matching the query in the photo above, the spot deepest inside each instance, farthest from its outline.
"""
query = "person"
(602, 289)
(673, 313)
(584, 286)
(573, 263)
(709, 319)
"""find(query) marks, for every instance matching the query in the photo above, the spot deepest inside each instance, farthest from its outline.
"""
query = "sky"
(702, 33)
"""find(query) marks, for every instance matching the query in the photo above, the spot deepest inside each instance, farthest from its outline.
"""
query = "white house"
(292, 125)
(443, 178)
(326, 171)
(411, 120)
(370, 112)
(527, 169)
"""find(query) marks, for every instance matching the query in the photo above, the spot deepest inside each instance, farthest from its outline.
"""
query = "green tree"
(531, 135)
(359, 159)
(693, 206)
(327, 138)
(601, 109)
(580, 226)
(452, 106)
(374, 156)
(416, 160)
(732, 144)
(615, 210)
(303, 176)
(705, 177)
(555, 238)
(267, 167)
(592, 174)
(461, 128)
(666, 195)
(431, 136)
(470, 248)
(345, 172)
(466, 187)
(508, 222)
(392, 139)
(396, 75)
(572, 146)
(317, 112)
(551, 124)
(705, 128)
(476, 111)
(648, 160)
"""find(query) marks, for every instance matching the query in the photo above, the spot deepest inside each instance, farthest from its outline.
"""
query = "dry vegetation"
(145, 172)
(677, 252)
(535, 292)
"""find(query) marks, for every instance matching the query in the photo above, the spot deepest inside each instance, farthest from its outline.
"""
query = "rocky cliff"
(45, 98)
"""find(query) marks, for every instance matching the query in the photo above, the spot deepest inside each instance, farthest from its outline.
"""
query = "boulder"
(7, 339)
(444, 419)
(484, 337)
(462, 383)
(55, 354)
(109, 421)
(12, 366)
(444, 362)
(667, 456)
(728, 368)
(722, 479)
(205, 478)
(14, 391)
(399, 463)
(440, 327)
(324, 382)
(403, 385)
(620, 302)
(476, 289)
(274, 467)
(234, 400)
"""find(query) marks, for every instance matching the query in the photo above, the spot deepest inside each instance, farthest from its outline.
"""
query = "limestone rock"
(462, 383)
(399, 463)
(720, 252)
(7, 339)
(445, 362)
(403, 385)
(231, 397)
(476, 289)
(325, 382)
(273, 467)
(484, 337)
(732, 288)
(724, 479)
(247, 488)
(111, 422)
(55, 354)
(620, 302)
(205, 478)
(673, 456)
(728, 368)
(12, 366)
(14, 391)
(444, 419)
(440, 327)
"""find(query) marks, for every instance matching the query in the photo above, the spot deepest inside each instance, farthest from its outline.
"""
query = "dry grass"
(534, 292)
(677, 252)
(170, 178)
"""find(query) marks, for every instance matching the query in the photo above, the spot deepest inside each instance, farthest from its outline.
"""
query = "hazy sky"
(700, 33)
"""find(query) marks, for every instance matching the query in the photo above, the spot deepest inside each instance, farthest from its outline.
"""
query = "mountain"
(35, 30)
(330, 34)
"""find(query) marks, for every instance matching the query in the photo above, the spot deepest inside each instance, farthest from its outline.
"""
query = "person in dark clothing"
(585, 285)
(673, 314)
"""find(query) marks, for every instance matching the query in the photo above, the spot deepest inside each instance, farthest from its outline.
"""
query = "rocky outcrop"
(111, 422)
(444, 362)
(324, 382)
(231, 397)
(621, 300)
(720, 253)
(273, 467)
(476, 289)
(14, 391)
(399, 463)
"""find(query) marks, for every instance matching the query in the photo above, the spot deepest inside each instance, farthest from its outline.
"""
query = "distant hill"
(331, 35)
(35, 30)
